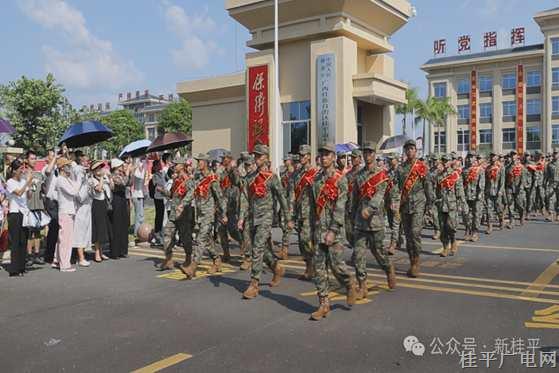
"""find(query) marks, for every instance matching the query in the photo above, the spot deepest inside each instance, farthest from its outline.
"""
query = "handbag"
(108, 201)
(36, 219)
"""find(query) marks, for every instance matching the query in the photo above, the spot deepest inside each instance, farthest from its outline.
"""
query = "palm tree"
(426, 113)
(441, 109)
(409, 107)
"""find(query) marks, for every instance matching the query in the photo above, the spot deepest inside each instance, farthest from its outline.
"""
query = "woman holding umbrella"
(120, 219)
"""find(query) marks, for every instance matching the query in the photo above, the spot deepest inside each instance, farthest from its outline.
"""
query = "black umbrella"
(85, 134)
(168, 141)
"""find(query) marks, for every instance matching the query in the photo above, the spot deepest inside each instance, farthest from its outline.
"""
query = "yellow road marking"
(440, 249)
(162, 364)
(543, 279)
(476, 246)
(537, 325)
(177, 255)
(547, 311)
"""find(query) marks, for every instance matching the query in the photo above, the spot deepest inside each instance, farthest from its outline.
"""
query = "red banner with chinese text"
(473, 111)
(258, 108)
(520, 109)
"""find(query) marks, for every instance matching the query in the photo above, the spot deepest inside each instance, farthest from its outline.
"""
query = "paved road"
(499, 294)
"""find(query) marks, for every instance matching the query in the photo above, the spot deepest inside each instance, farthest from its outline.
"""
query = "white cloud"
(89, 62)
(194, 31)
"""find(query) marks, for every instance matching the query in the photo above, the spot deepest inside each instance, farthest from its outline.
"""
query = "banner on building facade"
(520, 109)
(326, 98)
(258, 107)
(473, 111)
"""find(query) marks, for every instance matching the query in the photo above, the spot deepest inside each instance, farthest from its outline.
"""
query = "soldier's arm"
(220, 201)
(428, 190)
(378, 199)
(481, 185)
(338, 218)
(189, 196)
(277, 191)
(243, 200)
(291, 197)
(395, 196)
(460, 194)
(354, 198)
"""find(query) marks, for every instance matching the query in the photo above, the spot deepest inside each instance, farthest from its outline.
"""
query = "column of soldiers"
(332, 206)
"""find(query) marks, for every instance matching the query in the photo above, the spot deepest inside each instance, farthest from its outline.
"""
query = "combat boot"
(351, 293)
(190, 271)
(245, 264)
(283, 254)
(226, 255)
(167, 264)
(252, 291)
(391, 277)
(279, 272)
(307, 276)
(445, 251)
(215, 267)
(454, 248)
(362, 291)
(501, 223)
(436, 235)
(414, 267)
(522, 220)
(392, 248)
(468, 235)
(323, 309)
(490, 228)
(475, 237)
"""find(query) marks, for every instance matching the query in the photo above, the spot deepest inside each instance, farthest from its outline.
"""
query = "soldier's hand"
(290, 224)
(179, 210)
(240, 224)
(365, 213)
(329, 238)
(224, 220)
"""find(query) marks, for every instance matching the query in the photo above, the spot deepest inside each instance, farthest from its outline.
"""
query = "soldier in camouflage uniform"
(285, 176)
(433, 211)
(209, 201)
(449, 193)
(392, 205)
(415, 197)
(368, 198)
(527, 161)
(536, 198)
(552, 185)
(474, 191)
(262, 188)
(351, 176)
(463, 208)
(229, 183)
(494, 190)
(516, 180)
(301, 200)
(181, 216)
(330, 197)
(249, 167)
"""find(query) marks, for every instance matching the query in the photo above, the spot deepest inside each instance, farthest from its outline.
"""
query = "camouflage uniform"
(474, 189)
(516, 192)
(433, 212)
(368, 194)
(552, 186)
(536, 198)
(392, 208)
(351, 176)
(494, 189)
(230, 184)
(248, 160)
(412, 208)
(286, 177)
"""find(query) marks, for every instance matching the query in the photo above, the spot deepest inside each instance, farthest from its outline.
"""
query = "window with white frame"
(440, 141)
(555, 105)
(555, 134)
(464, 112)
(533, 78)
(509, 138)
(533, 138)
(534, 106)
(485, 83)
(485, 110)
(555, 46)
(439, 89)
(486, 137)
(508, 81)
(555, 77)
(463, 86)
(509, 108)
(463, 140)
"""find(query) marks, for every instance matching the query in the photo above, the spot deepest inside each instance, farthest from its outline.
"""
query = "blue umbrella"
(135, 149)
(85, 134)
(6, 127)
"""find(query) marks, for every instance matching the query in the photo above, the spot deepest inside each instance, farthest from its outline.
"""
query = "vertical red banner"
(473, 111)
(258, 107)
(520, 109)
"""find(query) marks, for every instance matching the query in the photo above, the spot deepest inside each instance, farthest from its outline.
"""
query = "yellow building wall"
(295, 71)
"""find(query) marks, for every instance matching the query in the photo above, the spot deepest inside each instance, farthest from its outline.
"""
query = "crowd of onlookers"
(57, 208)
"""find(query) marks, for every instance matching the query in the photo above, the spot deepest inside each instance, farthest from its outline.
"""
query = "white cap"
(116, 163)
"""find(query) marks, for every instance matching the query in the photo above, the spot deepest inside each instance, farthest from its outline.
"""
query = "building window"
(485, 83)
(440, 142)
(534, 106)
(555, 134)
(555, 78)
(151, 117)
(296, 111)
(439, 89)
(486, 112)
(151, 134)
(463, 86)
(485, 141)
(555, 105)
(509, 81)
(533, 78)
(296, 125)
(463, 140)
(555, 46)
(533, 139)
(509, 138)
(464, 113)
(509, 110)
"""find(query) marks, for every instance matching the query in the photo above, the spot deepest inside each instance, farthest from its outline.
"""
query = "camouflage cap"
(446, 157)
(453, 155)
(201, 157)
(329, 147)
(288, 157)
(356, 153)
(538, 153)
(261, 149)
(226, 154)
(512, 152)
(410, 143)
(304, 149)
(245, 155)
(369, 146)
(296, 157)
(527, 153)
(471, 154)
(555, 150)
(179, 160)
(248, 160)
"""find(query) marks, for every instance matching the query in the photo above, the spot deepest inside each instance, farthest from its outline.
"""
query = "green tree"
(426, 114)
(440, 112)
(126, 129)
(38, 111)
(409, 107)
(176, 117)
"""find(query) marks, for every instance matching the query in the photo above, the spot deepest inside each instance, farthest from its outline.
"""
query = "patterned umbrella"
(167, 141)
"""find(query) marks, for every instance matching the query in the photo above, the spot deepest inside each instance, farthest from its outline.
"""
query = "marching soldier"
(494, 189)
(181, 216)
(209, 201)
(392, 205)
(229, 183)
(415, 197)
(285, 177)
(515, 187)
(249, 167)
(449, 193)
(303, 208)
(433, 211)
(552, 185)
(262, 188)
(368, 197)
(330, 196)
(474, 189)
(351, 175)
(537, 192)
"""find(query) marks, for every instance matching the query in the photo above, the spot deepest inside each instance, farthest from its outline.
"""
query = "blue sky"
(100, 48)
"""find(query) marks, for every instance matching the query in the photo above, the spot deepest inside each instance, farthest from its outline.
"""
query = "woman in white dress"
(81, 238)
